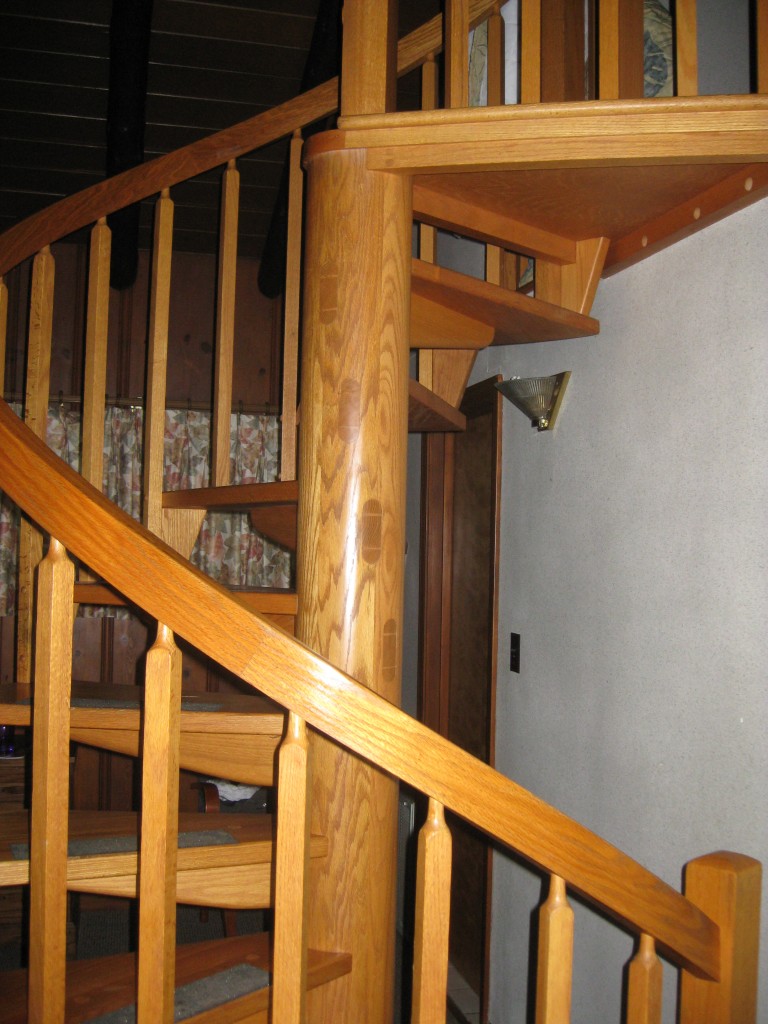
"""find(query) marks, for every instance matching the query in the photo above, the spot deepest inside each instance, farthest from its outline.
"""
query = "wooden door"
(461, 494)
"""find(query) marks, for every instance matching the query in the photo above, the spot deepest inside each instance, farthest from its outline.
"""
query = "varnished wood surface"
(335, 704)
(132, 186)
(99, 986)
(515, 318)
(234, 497)
(428, 413)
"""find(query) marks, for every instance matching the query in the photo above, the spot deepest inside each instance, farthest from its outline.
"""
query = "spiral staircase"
(582, 187)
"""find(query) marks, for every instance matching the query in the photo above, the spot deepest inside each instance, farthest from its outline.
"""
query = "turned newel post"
(352, 544)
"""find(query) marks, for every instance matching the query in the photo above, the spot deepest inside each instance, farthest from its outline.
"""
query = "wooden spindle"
(289, 984)
(428, 233)
(36, 417)
(159, 830)
(157, 363)
(225, 326)
(495, 257)
(645, 984)
(530, 51)
(3, 331)
(50, 788)
(555, 957)
(95, 379)
(433, 912)
(686, 49)
(292, 311)
(620, 72)
(456, 53)
(761, 45)
(727, 887)
(369, 57)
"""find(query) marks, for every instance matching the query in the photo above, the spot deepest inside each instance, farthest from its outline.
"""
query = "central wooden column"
(352, 546)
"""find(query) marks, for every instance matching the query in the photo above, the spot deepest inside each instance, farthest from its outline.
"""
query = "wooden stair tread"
(230, 736)
(202, 867)
(234, 497)
(428, 413)
(514, 317)
(89, 996)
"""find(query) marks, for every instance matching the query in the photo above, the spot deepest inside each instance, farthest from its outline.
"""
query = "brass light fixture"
(538, 397)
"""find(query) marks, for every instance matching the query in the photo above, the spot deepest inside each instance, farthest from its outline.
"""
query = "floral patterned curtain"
(227, 549)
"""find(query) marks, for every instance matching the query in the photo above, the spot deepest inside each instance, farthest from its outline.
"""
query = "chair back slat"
(159, 830)
(50, 788)
(289, 984)
(644, 984)
(157, 363)
(432, 918)
(225, 327)
(555, 956)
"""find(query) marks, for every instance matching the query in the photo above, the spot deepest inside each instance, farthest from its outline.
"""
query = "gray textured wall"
(633, 563)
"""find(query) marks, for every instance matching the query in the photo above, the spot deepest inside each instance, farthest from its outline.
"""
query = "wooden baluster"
(686, 49)
(3, 329)
(620, 72)
(292, 311)
(95, 379)
(157, 362)
(456, 53)
(644, 988)
(36, 417)
(369, 57)
(427, 233)
(159, 830)
(555, 959)
(727, 887)
(761, 45)
(225, 327)
(50, 788)
(432, 919)
(530, 51)
(289, 984)
(495, 257)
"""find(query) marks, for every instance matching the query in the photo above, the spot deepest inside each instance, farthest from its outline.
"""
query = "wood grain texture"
(515, 318)
(727, 887)
(686, 49)
(88, 996)
(50, 788)
(95, 380)
(334, 704)
(352, 460)
(157, 366)
(37, 388)
(620, 68)
(761, 48)
(159, 830)
(555, 956)
(427, 412)
(432, 917)
(644, 984)
(368, 59)
(530, 51)
(235, 497)
(291, 876)
(225, 326)
(292, 313)
(574, 285)
(450, 373)
(456, 85)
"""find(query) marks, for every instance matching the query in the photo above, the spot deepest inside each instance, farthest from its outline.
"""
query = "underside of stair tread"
(229, 736)
(515, 318)
(265, 600)
(103, 856)
(96, 987)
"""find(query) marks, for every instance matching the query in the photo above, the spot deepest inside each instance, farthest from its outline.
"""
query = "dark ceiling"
(212, 63)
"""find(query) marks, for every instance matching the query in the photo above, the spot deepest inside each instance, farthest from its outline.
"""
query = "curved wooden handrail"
(84, 208)
(156, 578)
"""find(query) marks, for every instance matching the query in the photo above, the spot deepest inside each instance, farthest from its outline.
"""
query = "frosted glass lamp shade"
(538, 397)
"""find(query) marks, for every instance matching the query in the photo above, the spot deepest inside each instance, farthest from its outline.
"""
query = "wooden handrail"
(153, 576)
(86, 207)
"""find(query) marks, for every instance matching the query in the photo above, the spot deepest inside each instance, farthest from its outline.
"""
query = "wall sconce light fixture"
(538, 397)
